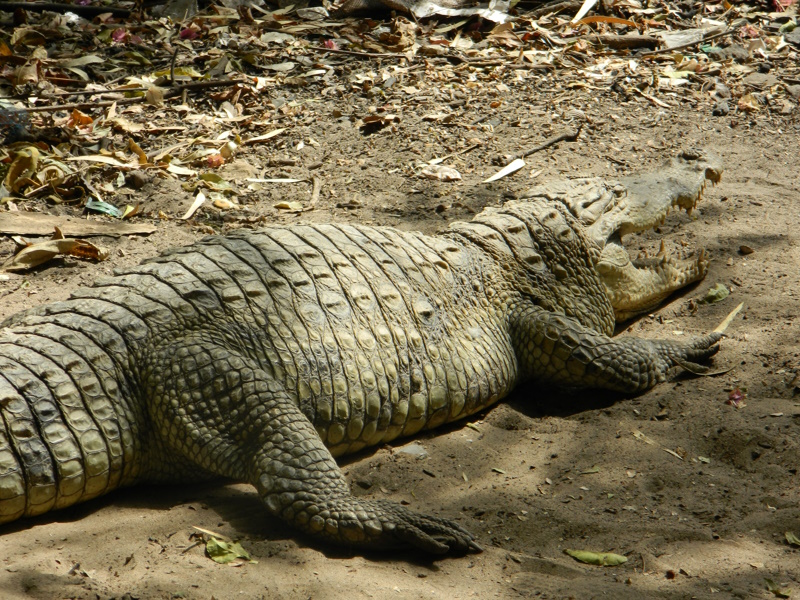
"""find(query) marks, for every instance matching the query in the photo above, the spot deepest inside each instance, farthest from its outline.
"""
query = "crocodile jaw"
(643, 202)
(638, 286)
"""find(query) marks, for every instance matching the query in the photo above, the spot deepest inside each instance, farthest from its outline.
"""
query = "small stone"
(793, 37)
(760, 80)
(721, 109)
(734, 51)
(137, 179)
(722, 91)
(794, 91)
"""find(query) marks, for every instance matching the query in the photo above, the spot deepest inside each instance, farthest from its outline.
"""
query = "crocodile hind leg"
(221, 413)
(558, 349)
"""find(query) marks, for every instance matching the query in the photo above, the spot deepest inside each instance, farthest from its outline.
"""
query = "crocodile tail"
(63, 435)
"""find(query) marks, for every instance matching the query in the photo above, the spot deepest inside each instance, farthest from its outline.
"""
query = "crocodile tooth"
(663, 255)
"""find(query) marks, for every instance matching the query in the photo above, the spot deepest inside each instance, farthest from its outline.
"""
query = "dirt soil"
(697, 493)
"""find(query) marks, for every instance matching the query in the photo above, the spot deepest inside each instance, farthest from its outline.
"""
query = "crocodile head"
(611, 210)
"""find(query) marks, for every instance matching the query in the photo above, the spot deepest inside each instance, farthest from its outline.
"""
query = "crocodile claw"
(689, 355)
(434, 535)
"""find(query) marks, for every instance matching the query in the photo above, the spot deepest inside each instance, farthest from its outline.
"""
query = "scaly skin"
(261, 356)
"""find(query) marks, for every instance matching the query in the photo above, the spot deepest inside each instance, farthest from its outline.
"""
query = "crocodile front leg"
(558, 349)
(218, 411)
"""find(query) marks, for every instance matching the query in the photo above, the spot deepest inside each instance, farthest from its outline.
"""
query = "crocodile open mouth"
(689, 202)
(636, 286)
(610, 210)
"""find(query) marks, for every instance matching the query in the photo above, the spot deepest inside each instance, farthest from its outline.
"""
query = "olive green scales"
(262, 355)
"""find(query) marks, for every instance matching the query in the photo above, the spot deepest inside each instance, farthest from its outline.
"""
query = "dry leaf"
(440, 172)
(23, 167)
(39, 253)
(154, 96)
(293, 206)
(198, 202)
(603, 559)
(514, 166)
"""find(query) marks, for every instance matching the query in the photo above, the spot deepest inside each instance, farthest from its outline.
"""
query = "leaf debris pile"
(95, 110)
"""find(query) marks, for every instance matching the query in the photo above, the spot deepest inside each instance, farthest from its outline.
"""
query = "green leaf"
(715, 294)
(603, 559)
(215, 182)
(792, 538)
(103, 207)
(225, 552)
(776, 589)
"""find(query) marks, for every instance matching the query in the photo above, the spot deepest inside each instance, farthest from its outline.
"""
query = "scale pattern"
(261, 356)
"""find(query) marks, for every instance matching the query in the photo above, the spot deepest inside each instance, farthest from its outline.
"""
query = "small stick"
(317, 183)
(92, 93)
(727, 320)
(83, 11)
(452, 154)
(554, 7)
(355, 53)
(171, 92)
(570, 135)
(83, 105)
(172, 67)
(683, 46)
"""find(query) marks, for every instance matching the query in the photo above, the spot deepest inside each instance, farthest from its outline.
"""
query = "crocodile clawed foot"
(434, 535)
(689, 355)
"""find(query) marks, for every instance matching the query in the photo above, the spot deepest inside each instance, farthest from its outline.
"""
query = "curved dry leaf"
(514, 166)
(440, 172)
(39, 253)
(226, 552)
(603, 19)
(23, 167)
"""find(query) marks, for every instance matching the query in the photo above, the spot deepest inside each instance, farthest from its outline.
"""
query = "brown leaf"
(27, 73)
(39, 253)
(79, 118)
(154, 96)
(23, 167)
(137, 150)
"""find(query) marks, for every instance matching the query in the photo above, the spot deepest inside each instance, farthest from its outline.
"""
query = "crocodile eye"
(564, 233)
(533, 260)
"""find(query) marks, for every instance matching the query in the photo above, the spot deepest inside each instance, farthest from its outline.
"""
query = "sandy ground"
(700, 512)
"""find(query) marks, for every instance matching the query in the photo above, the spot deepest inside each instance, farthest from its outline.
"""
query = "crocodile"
(263, 355)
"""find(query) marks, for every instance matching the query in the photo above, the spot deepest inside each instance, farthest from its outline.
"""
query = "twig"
(727, 320)
(317, 186)
(689, 44)
(618, 42)
(171, 92)
(83, 105)
(464, 151)
(355, 53)
(570, 135)
(554, 7)
(172, 67)
(83, 11)
(92, 93)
